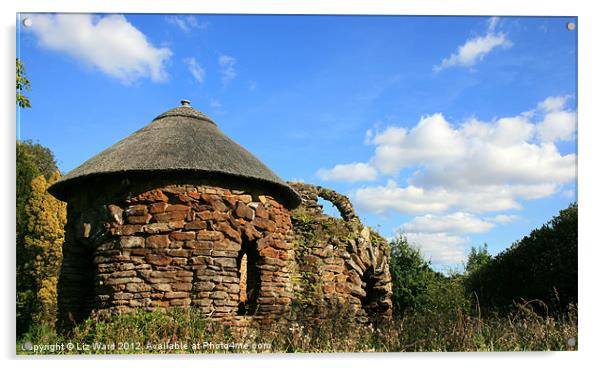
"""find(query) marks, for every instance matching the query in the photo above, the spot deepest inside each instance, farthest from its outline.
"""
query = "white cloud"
(553, 103)
(440, 248)
(226, 64)
(186, 23)
(356, 171)
(475, 49)
(475, 166)
(458, 222)
(503, 219)
(433, 139)
(558, 126)
(492, 24)
(109, 43)
(383, 199)
(195, 69)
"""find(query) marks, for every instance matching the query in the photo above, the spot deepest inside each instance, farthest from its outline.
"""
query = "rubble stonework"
(340, 262)
(180, 246)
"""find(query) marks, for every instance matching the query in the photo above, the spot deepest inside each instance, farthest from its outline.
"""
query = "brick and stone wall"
(341, 265)
(237, 255)
(178, 245)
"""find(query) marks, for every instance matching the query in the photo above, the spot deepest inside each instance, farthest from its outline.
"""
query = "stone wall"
(235, 254)
(341, 265)
(178, 245)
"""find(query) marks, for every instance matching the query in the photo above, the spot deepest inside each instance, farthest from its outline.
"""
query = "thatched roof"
(181, 140)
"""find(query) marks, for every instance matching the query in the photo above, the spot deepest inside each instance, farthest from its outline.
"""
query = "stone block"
(261, 212)
(143, 219)
(209, 235)
(264, 224)
(170, 216)
(229, 231)
(182, 236)
(180, 302)
(157, 241)
(136, 210)
(181, 286)
(225, 262)
(158, 260)
(127, 229)
(175, 294)
(115, 213)
(161, 287)
(226, 245)
(196, 225)
(158, 207)
(243, 211)
(155, 195)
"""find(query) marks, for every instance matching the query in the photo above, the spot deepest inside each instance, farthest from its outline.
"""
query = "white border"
(589, 181)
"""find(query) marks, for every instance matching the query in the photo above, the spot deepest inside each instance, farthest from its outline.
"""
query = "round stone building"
(179, 215)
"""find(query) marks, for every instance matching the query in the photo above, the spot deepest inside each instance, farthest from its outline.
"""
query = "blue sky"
(453, 130)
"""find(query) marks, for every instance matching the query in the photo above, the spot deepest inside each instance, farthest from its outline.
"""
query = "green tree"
(22, 84)
(541, 266)
(411, 275)
(44, 220)
(477, 258)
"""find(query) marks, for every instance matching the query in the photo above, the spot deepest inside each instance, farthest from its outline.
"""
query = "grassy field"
(185, 331)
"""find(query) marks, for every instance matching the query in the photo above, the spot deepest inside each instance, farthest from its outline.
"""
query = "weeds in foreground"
(186, 331)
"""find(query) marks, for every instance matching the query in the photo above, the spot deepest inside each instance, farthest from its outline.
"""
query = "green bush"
(541, 266)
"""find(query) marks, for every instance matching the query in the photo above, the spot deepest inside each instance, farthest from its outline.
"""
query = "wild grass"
(185, 331)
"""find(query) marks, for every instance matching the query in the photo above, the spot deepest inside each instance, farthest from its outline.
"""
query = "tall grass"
(424, 330)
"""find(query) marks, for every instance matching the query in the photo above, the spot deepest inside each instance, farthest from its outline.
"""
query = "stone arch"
(350, 261)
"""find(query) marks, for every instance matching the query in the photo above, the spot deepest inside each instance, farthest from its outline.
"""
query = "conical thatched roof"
(181, 140)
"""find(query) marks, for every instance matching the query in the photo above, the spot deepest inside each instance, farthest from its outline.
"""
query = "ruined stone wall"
(341, 265)
(237, 255)
(177, 245)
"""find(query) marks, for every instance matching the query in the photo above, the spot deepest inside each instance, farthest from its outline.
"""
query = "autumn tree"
(44, 219)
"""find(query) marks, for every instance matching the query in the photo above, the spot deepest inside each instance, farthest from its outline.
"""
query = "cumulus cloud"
(186, 23)
(440, 248)
(227, 70)
(558, 126)
(411, 199)
(109, 43)
(475, 166)
(195, 69)
(356, 171)
(458, 222)
(475, 49)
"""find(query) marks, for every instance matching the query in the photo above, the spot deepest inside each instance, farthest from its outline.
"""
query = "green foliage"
(22, 84)
(541, 266)
(416, 286)
(42, 157)
(477, 258)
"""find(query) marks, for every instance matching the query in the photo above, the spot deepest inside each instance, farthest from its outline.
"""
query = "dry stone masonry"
(341, 262)
(178, 215)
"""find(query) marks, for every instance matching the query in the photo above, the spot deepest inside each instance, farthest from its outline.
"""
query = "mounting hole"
(27, 22)
(571, 26)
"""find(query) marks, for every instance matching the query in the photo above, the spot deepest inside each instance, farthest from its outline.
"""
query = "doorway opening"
(250, 281)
